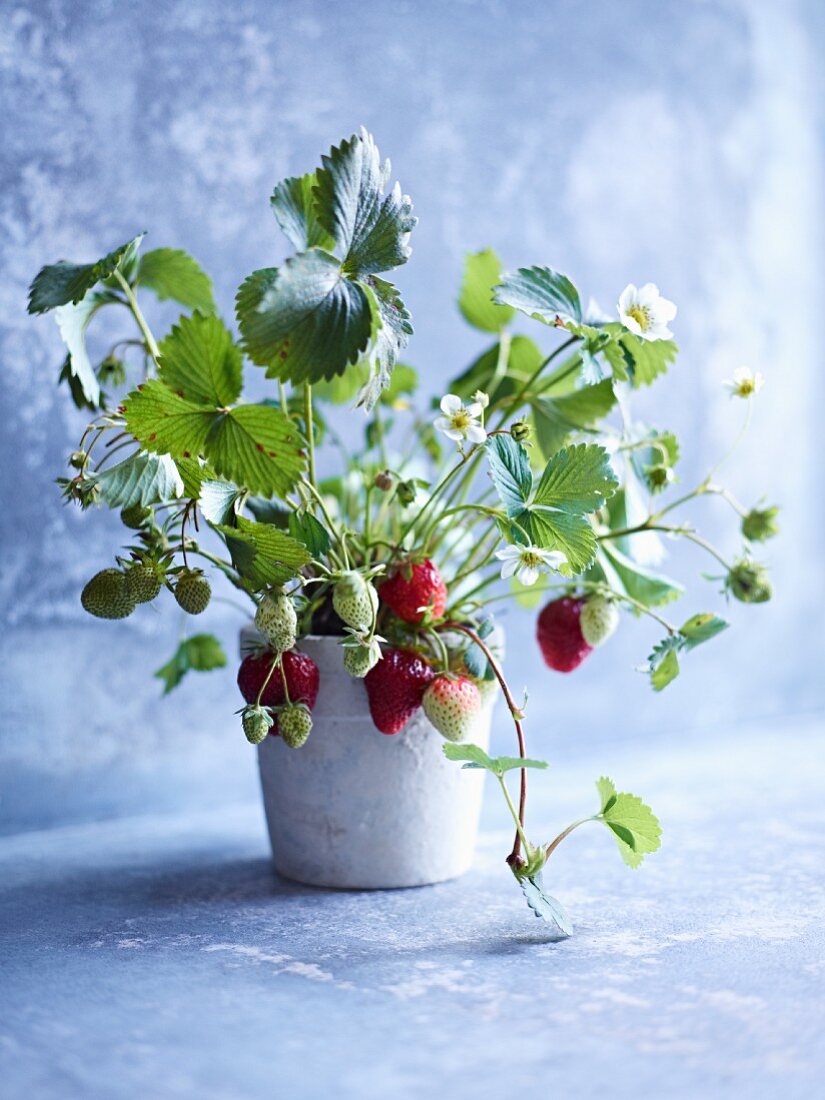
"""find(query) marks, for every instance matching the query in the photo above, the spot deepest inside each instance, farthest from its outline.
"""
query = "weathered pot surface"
(356, 809)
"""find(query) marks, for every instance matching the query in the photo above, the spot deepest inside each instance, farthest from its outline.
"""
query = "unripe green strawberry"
(106, 596)
(143, 582)
(760, 524)
(193, 591)
(295, 724)
(77, 459)
(355, 601)
(748, 582)
(257, 723)
(452, 704)
(135, 516)
(358, 660)
(276, 620)
(598, 620)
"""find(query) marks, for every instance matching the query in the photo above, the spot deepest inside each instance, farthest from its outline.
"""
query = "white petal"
(648, 295)
(627, 298)
(508, 552)
(509, 568)
(443, 423)
(528, 574)
(554, 559)
(450, 404)
(454, 434)
(475, 409)
(476, 434)
(665, 310)
(631, 323)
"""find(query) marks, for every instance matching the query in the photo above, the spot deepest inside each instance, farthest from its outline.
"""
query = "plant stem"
(515, 401)
(310, 430)
(146, 332)
(512, 808)
(564, 833)
(515, 714)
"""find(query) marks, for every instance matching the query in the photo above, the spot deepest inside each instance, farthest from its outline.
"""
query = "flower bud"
(760, 524)
(384, 481)
(406, 492)
(77, 459)
(748, 582)
(481, 398)
(521, 431)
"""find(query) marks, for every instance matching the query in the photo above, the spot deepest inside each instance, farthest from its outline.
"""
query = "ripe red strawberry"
(395, 688)
(301, 678)
(452, 704)
(412, 588)
(559, 634)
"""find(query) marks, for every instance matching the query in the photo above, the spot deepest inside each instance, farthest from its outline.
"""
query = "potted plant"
(374, 659)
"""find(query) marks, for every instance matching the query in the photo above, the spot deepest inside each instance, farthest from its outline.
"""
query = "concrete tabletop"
(161, 956)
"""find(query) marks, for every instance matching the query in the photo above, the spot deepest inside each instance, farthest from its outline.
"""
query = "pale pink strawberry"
(452, 704)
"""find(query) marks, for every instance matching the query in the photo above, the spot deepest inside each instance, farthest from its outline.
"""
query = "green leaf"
(72, 320)
(263, 554)
(81, 401)
(218, 501)
(200, 362)
(577, 479)
(541, 293)
(569, 532)
(311, 532)
(556, 418)
(474, 755)
(637, 581)
(543, 905)
(370, 229)
(663, 662)
(390, 337)
(642, 360)
(253, 445)
(293, 204)
(200, 653)
(701, 628)
(304, 321)
(163, 422)
(521, 362)
(173, 273)
(141, 479)
(64, 282)
(482, 271)
(510, 470)
(632, 822)
(258, 447)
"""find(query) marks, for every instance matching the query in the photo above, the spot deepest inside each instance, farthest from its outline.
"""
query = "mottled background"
(678, 142)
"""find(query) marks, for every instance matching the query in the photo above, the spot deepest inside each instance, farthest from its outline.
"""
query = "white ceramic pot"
(356, 809)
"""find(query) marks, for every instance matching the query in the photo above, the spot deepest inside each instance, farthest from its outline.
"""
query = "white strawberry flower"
(461, 421)
(745, 383)
(527, 563)
(645, 312)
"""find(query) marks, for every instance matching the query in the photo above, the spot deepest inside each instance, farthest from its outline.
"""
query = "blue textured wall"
(676, 142)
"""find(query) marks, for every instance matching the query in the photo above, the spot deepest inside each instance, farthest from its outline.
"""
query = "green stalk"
(310, 430)
(154, 351)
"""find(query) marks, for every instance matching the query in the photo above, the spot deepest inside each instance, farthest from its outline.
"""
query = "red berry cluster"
(299, 671)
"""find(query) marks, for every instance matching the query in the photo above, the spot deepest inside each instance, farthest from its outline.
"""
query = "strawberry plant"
(529, 476)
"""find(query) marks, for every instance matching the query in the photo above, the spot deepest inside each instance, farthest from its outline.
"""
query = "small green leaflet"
(642, 360)
(543, 905)
(141, 479)
(73, 320)
(311, 532)
(557, 418)
(370, 229)
(305, 320)
(473, 756)
(263, 554)
(200, 653)
(635, 580)
(390, 336)
(78, 395)
(663, 662)
(541, 293)
(293, 204)
(510, 471)
(482, 271)
(200, 362)
(173, 273)
(63, 283)
(634, 825)
(218, 501)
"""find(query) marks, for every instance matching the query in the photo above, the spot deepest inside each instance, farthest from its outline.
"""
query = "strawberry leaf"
(482, 271)
(541, 293)
(63, 283)
(262, 554)
(473, 756)
(634, 825)
(200, 362)
(510, 470)
(141, 479)
(293, 204)
(73, 320)
(200, 653)
(173, 273)
(543, 905)
(557, 418)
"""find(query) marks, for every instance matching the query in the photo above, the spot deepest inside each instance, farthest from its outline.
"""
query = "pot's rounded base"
(320, 882)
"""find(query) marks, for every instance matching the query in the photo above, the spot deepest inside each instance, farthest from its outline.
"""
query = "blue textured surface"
(162, 957)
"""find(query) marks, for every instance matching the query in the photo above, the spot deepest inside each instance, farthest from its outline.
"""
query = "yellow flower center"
(641, 315)
(461, 420)
(745, 387)
(530, 558)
